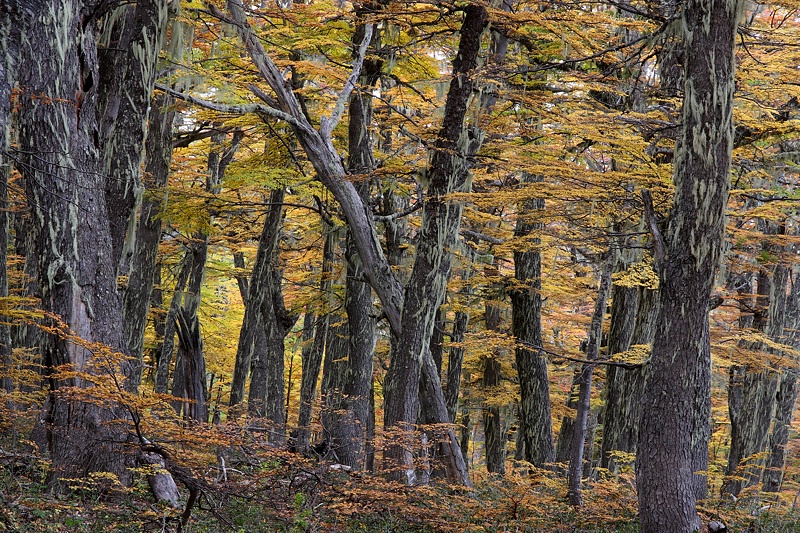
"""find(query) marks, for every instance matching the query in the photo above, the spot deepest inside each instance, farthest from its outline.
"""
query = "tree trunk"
(674, 428)
(492, 427)
(7, 67)
(752, 391)
(312, 358)
(168, 340)
(137, 294)
(535, 424)
(624, 386)
(131, 39)
(59, 157)
(455, 363)
(440, 223)
(786, 398)
(585, 394)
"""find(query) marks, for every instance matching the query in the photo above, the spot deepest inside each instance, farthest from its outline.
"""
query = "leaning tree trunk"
(60, 161)
(678, 378)
(424, 293)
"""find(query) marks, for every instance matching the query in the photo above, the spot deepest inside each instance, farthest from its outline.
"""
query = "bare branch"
(328, 124)
(658, 241)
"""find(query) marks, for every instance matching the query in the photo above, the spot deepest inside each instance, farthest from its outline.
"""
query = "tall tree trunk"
(136, 298)
(59, 157)
(585, 394)
(267, 388)
(674, 428)
(7, 68)
(624, 385)
(455, 363)
(312, 358)
(786, 398)
(192, 371)
(425, 290)
(752, 391)
(492, 427)
(168, 340)
(131, 39)
(535, 425)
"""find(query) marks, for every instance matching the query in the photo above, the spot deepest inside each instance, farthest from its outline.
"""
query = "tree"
(676, 401)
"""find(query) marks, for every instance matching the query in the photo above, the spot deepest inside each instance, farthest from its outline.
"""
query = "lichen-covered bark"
(624, 385)
(535, 424)
(786, 398)
(673, 426)
(455, 363)
(752, 391)
(441, 218)
(59, 157)
(137, 294)
(7, 66)
(131, 39)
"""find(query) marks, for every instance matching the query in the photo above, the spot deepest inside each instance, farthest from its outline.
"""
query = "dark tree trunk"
(425, 291)
(6, 84)
(248, 354)
(168, 339)
(535, 425)
(312, 358)
(624, 385)
(266, 396)
(675, 425)
(492, 425)
(137, 295)
(59, 157)
(189, 371)
(131, 39)
(455, 363)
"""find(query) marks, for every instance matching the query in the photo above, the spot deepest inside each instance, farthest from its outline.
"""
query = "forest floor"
(283, 492)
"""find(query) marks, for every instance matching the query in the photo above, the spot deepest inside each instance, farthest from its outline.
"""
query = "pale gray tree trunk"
(585, 395)
(7, 68)
(675, 425)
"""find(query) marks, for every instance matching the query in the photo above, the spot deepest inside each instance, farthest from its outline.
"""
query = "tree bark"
(59, 157)
(312, 359)
(535, 424)
(441, 218)
(585, 394)
(136, 298)
(674, 426)
(131, 39)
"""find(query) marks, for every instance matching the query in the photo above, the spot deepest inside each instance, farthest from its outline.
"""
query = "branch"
(658, 241)
(606, 362)
(327, 124)
(232, 109)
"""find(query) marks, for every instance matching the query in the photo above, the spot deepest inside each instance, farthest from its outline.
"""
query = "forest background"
(398, 266)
